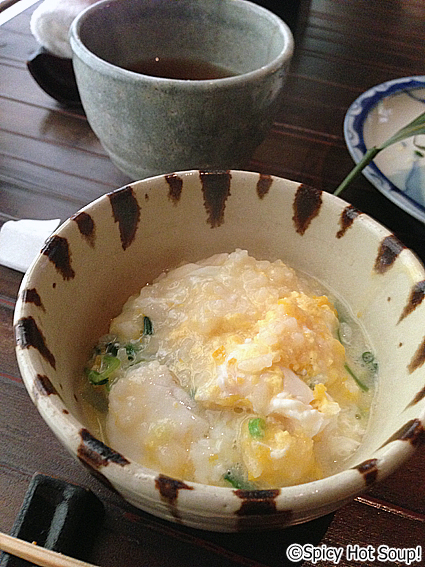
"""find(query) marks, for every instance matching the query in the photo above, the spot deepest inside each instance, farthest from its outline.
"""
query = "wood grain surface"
(51, 164)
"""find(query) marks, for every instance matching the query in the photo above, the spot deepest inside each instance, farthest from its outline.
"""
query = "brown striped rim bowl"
(112, 247)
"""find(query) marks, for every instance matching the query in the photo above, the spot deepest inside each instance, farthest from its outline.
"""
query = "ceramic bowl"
(112, 247)
(150, 125)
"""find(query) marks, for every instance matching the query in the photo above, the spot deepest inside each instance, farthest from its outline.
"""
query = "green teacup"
(230, 58)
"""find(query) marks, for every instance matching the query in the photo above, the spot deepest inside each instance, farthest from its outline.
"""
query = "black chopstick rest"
(59, 516)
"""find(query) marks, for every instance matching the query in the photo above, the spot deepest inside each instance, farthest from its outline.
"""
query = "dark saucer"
(55, 75)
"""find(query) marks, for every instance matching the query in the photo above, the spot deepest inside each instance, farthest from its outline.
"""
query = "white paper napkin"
(50, 23)
(22, 240)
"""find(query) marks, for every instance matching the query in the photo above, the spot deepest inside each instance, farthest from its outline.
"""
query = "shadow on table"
(270, 547)
(163, 543)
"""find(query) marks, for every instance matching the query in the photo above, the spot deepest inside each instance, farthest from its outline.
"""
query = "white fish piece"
(152, 419)
(302, 415)
(296, 387)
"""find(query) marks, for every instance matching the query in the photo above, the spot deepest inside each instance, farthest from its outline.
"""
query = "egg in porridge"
(233, 371)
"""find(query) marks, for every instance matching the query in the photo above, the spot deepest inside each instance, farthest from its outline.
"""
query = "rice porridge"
(233, 372)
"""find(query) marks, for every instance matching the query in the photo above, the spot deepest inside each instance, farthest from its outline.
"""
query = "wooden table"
(51, 164)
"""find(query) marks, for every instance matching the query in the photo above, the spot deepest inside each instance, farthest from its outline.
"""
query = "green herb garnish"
(369, 360)
(130, 351)
(368, 357)
(257, 427)
(414, 128)
(107, 366)
(109, 354)
(236, 480)
(96, 378)
(360, 384)
(147, 326)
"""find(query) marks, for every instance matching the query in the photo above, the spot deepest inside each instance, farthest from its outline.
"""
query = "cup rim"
(80, 49)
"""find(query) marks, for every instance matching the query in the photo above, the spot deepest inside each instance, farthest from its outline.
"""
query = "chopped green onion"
(108, 365)
(368, 357)
(147, 326)
(360, 384)
(96, 378)
(236, 481)
(130, 351)
(256, 427)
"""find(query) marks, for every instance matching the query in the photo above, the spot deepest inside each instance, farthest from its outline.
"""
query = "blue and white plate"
(398, 171)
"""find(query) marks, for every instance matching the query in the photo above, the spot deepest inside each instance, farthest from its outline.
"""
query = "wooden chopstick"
(38, 555)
